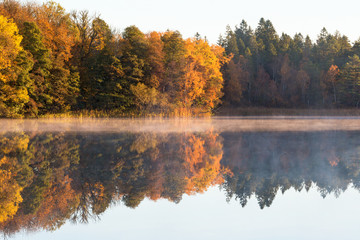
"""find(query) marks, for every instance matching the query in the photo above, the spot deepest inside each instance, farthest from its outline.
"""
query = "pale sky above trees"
(210, 17)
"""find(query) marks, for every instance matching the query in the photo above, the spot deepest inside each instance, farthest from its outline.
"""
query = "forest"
(54, 62)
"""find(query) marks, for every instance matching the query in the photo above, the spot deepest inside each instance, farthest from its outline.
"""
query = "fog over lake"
(254, 178)
(156, 125)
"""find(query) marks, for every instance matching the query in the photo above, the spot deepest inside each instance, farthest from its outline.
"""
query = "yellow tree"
(146, 97)
(10, 45)
(12, 96)
(203, 81)
(214, 61)
(194, 81)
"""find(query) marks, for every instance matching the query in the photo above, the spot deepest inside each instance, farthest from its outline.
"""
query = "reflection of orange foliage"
(157, 182)
(194, 153)
(202, 162)
(97, 190)
(56, 206)
(55, 209)
(159, 167)
(199, 165)
(333, 159)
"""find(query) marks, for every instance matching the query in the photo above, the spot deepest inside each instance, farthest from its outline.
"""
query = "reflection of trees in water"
(40, 166)
(49, 178)
(55, 177)
(265, 163)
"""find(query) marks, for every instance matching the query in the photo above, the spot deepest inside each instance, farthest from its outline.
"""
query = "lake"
(200, 178)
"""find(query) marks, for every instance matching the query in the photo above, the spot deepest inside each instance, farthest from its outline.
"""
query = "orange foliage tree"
(329, 84)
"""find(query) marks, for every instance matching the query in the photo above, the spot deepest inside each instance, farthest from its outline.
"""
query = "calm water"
(264, 178)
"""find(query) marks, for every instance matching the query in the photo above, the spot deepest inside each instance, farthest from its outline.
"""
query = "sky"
(210, 17)
(293, 215)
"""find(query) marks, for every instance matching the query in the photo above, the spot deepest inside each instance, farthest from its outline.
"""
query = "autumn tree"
(58, 37)
(13, 95)
(330, 84)
(203, 80)
(155, 60)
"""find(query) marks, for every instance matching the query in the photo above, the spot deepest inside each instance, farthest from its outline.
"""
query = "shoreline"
(246, 112)
(260, 111)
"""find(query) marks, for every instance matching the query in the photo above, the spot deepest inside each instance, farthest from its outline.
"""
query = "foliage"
(54, 62)
(13, 95)
(284, 71)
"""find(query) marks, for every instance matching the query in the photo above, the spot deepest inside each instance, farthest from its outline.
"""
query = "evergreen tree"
(350, 82)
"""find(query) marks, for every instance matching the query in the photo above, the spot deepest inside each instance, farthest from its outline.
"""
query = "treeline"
(52, 61)
(283, 71)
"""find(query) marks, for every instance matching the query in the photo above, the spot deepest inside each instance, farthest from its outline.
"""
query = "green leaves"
(350, 82)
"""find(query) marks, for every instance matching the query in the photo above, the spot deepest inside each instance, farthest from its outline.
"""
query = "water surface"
(262, 178)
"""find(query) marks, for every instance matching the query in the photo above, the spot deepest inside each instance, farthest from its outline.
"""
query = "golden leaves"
(10, 197)
(9, 46)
